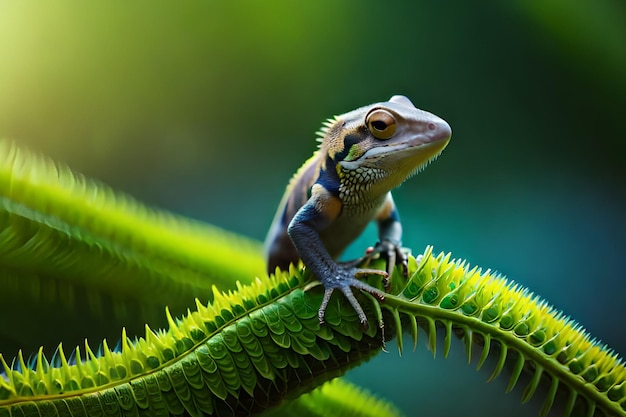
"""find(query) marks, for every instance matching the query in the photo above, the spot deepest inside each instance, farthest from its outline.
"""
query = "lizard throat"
(355, 185)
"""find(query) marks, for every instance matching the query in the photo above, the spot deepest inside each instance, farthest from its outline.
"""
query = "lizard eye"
(381, 124)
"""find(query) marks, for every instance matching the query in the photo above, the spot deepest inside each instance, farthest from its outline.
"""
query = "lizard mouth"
(408, 157)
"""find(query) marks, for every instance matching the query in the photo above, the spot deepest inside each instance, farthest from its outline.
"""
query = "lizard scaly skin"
(347, 183)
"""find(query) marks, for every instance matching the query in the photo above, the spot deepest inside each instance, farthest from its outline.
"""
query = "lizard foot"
(394, 254)
(344, 279)
(389, 250)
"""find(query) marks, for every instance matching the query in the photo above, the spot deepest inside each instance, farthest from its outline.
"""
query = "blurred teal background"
(207, 108)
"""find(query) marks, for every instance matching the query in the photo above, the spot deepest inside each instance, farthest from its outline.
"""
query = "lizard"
(346, 184)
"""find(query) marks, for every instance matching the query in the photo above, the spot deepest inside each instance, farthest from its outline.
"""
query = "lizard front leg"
(390, 237)
(389, 244)
(316, 215)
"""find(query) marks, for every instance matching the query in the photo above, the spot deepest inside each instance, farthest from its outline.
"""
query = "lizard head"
(381, 145)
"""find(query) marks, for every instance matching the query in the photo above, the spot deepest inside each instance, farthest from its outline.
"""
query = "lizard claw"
(385, 275)
(344, 281)
(391, 251)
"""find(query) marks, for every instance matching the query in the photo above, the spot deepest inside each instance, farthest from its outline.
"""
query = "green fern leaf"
(485, 308)
(78, 253)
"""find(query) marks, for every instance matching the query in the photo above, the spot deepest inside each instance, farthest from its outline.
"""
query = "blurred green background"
(207, 108)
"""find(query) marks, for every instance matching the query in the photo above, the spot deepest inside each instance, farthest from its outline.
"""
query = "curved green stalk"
(483, 308)
(250, 349)
(43, 203)
(76, 252)
(244, 352)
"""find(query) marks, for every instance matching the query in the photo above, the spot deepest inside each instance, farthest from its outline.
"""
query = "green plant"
(71, 241)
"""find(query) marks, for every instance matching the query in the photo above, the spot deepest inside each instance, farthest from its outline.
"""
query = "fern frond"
(250, 349)
(486, 309)
(43, 201)
(69, 244)
(244, 352)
